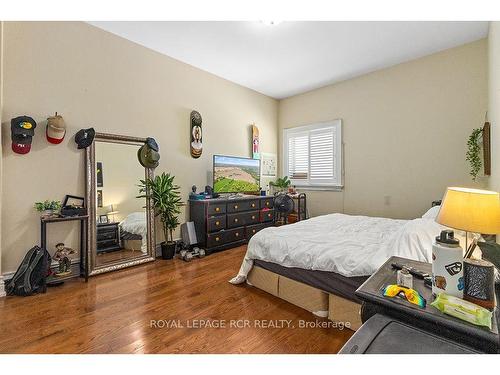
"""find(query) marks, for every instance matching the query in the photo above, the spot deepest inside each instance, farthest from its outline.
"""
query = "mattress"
(330, 282)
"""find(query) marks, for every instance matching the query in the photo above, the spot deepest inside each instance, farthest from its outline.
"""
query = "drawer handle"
(237, 234)
(217, 209)
(267, 203)
(235, 206)
(253, 204)
(217, 223)
(268, 215)
(216, 239)
(236, 220)
(253, 230)
(253, 217)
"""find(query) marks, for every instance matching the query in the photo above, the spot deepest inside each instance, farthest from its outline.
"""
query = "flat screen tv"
(236, 175)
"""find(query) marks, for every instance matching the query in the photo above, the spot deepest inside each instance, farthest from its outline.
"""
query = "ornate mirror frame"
(90, 197)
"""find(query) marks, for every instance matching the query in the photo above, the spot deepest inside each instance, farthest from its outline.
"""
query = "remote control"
(415, 272)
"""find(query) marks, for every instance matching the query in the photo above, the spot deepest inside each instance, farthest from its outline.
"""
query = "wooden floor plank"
(112, 313)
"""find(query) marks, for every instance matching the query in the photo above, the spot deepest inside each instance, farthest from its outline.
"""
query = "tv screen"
(236, 175)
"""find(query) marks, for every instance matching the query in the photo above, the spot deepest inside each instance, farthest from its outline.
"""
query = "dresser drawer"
(217, 208)
(245, 205)
(233, 235)
(267, 203)
(267, 215)
(253, 229)
(252, 217)
(236, 220)
(216, 223)
(216, 239)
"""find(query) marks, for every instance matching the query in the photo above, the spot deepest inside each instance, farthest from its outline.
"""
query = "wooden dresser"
(223, 223)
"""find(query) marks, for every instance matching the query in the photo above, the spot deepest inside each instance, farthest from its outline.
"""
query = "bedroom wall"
(494, 102)
(405, 131)
(94, 78)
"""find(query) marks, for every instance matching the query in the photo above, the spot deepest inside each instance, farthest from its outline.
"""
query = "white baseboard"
(2, 287)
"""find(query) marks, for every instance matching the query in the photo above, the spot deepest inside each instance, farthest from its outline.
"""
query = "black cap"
(195, 118)
(447, 237)
(84, 137)
(152, 144)
(23, 125)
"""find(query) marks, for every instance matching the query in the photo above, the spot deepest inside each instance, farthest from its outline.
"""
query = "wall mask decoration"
(196, 135)
(22, 131)
(255, 142)
(99, 199)
(99, 175)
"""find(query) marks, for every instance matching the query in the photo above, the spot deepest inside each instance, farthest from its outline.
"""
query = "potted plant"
(48, 208)
(281, 184)
(167, 204)
(473, 155)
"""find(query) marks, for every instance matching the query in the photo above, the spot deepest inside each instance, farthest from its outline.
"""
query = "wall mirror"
(121, 226)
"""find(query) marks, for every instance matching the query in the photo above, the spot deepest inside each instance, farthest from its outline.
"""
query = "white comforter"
(135, 223)
(349, 245)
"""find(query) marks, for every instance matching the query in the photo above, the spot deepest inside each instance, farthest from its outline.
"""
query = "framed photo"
(99, 176)
(103, 219)
(99, 198)
(74, 201)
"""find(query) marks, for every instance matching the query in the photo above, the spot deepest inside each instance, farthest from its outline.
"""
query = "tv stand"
(227, 222)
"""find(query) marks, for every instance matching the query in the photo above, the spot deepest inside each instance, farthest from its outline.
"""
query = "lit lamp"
(112, 211)
(470, 210)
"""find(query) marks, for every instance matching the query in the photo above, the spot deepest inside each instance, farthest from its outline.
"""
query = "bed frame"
(319, 302)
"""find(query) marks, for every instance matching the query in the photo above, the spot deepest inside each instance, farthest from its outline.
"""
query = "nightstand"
(428, 319)
(108, 237)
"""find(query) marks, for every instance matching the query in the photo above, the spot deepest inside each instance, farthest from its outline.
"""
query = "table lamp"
(470, 210)
(112, 211)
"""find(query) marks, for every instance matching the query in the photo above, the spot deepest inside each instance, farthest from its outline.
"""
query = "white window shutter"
(322, 155)
(298, 160)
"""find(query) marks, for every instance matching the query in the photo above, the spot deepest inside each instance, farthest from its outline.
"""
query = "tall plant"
(166, 199)
(281, 183)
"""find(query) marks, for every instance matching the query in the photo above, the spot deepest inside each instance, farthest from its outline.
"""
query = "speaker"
(188, 234)
(479, 282)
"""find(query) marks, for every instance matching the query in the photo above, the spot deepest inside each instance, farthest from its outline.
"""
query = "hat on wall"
(148, 156)
(56, 129)
(84, 137)
(22, 132)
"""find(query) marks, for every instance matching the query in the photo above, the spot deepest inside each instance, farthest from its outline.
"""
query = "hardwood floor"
(112, 313)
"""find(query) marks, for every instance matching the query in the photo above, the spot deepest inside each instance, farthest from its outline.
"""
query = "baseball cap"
(84, 137)
(56, 129)
(22, 132)
(148, 157)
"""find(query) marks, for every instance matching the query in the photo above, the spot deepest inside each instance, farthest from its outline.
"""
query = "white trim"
(338, 155)
(2, 287)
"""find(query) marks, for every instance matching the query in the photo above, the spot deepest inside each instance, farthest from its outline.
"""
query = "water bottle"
(447, 265)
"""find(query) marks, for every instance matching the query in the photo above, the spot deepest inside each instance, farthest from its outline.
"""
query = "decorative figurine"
(62, 256)
(255, 142)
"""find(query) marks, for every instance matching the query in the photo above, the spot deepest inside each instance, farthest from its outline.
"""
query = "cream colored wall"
(121, 175)
(494, 102)
(405, 131)
(94, 78)
(1, 148)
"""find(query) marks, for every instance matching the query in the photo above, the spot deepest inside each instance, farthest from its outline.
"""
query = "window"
(312, 154)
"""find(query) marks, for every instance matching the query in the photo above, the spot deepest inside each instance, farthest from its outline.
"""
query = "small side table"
(429, 318)
(83, 240)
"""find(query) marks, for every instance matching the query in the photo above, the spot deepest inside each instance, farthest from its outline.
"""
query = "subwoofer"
(188, 234)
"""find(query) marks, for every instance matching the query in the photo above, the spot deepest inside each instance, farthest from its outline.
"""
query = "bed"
(333, 255)
(133, 232)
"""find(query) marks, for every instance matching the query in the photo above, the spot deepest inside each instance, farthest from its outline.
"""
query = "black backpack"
(30, 277)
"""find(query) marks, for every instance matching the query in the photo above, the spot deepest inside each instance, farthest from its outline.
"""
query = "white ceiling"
(290, 58)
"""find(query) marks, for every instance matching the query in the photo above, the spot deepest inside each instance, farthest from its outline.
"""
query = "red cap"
(21, 148)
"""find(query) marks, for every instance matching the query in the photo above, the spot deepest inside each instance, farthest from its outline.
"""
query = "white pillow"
(431, 213)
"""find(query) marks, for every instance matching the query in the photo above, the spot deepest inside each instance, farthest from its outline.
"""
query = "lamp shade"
(471, 210)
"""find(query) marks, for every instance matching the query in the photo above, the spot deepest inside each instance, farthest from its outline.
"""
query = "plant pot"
(168, 250)
(47, 214)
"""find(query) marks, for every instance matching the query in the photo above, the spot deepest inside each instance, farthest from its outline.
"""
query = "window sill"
(320, 188)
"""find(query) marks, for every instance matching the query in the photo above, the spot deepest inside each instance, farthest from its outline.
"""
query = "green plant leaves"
(473, 154)
(167, 201)
(282, 183)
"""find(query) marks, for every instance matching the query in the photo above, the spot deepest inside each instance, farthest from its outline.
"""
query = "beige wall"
(494, 102)
(405, 131)
(97, 79)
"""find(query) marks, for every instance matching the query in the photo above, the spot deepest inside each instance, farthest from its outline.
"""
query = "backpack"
(30, 277)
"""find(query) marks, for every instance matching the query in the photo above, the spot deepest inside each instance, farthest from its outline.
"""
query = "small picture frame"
(99, 198)
(103, 219)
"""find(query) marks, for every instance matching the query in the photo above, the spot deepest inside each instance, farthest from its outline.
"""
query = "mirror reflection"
(121, 226)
